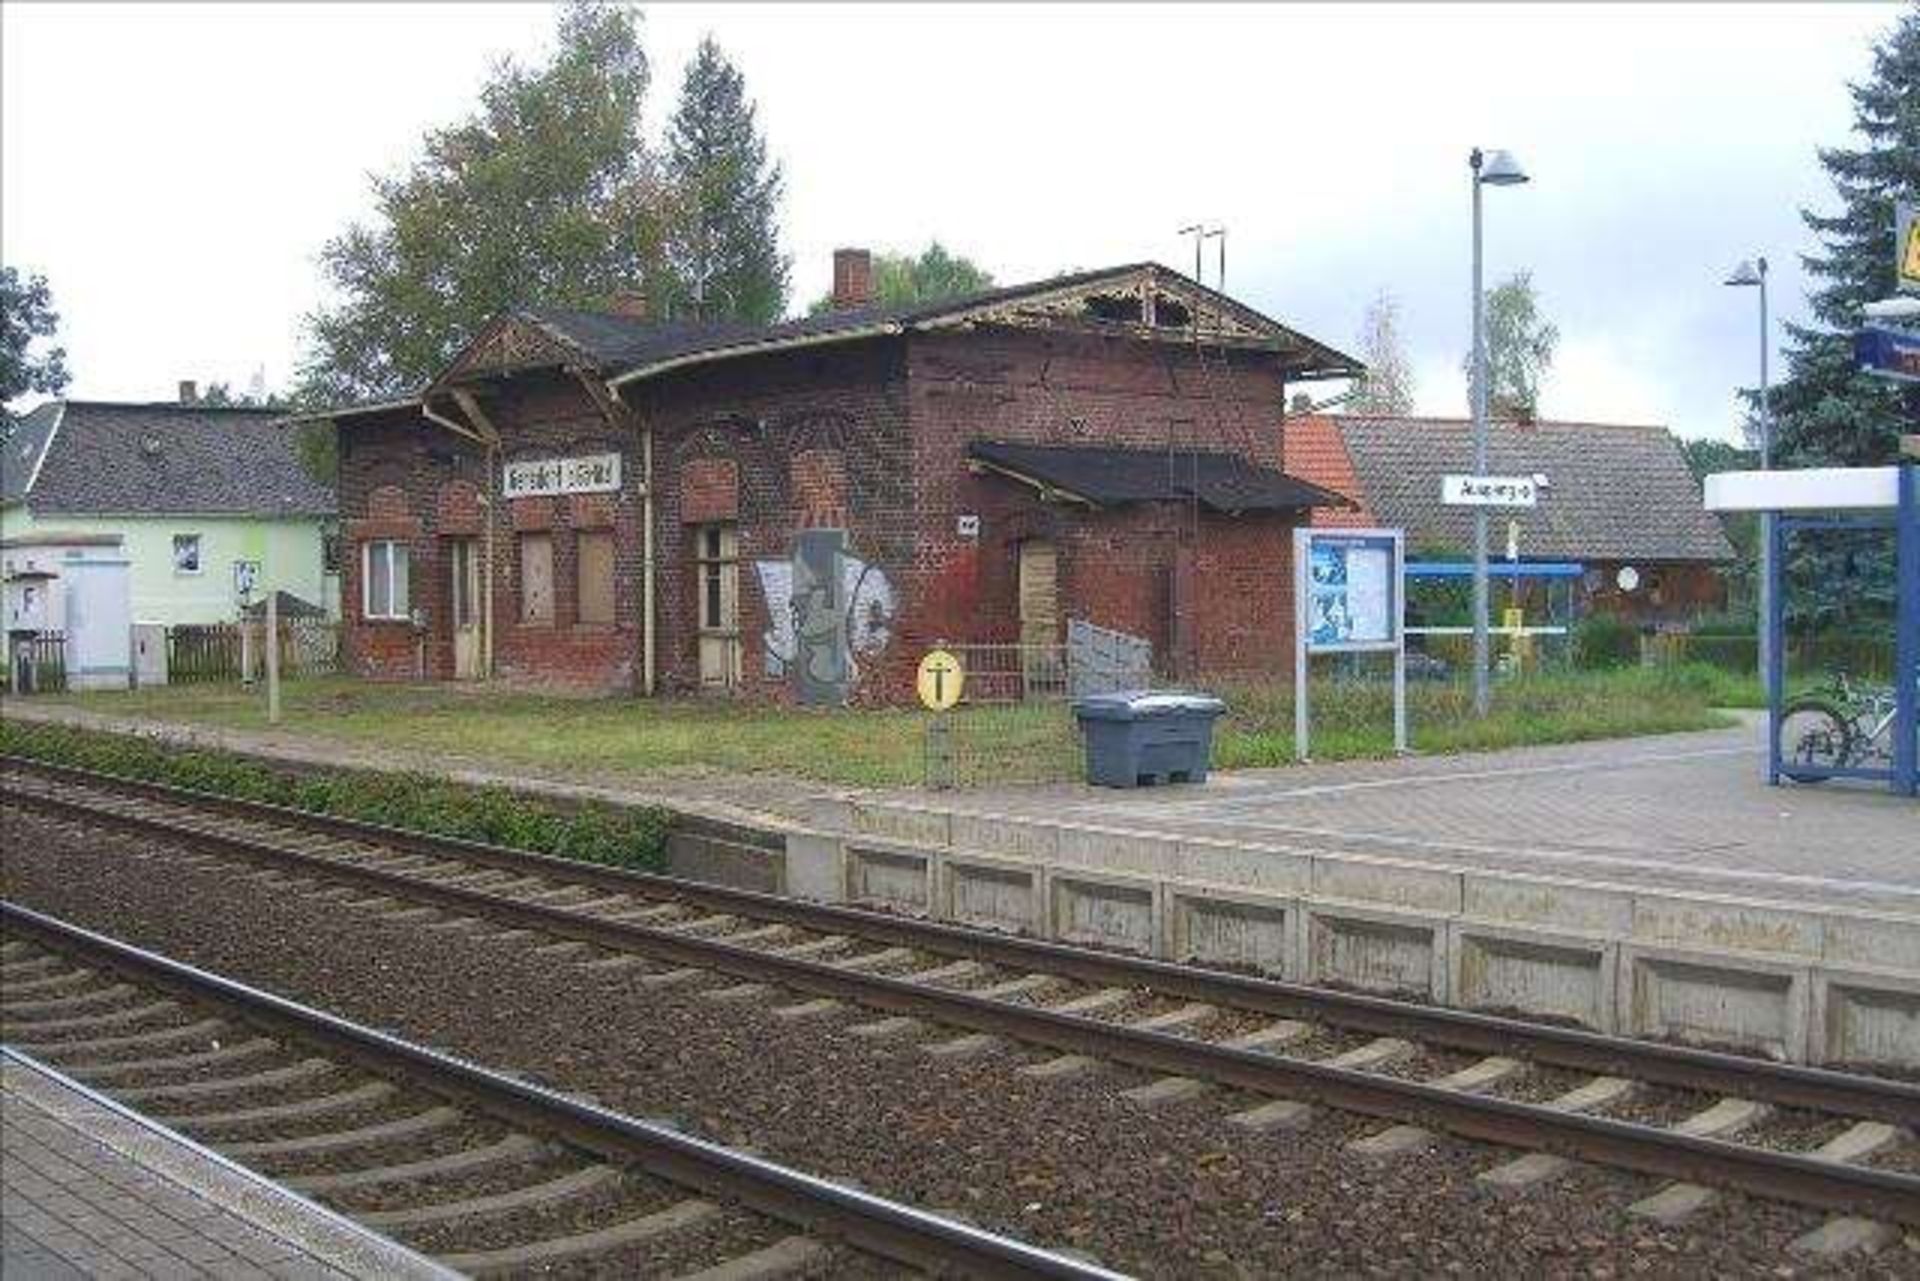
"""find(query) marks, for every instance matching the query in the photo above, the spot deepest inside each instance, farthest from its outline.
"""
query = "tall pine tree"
(722, 249)
(1826, 412)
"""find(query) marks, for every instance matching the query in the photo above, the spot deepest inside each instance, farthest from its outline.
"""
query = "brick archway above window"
(709, 491)
(389, 515)
(458, 512)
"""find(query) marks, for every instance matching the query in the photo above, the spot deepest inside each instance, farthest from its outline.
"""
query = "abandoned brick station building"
(803, 509)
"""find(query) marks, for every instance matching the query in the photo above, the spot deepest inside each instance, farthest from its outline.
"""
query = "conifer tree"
(1826, 412)
(722, 248)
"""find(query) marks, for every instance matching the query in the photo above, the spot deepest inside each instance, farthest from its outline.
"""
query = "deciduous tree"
(1520, 346)
(27, 314)
(545, 194)
(1388, 385)
(901, 280)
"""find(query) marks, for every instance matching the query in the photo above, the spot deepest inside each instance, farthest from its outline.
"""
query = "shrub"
(1601, 641)
(631, 838)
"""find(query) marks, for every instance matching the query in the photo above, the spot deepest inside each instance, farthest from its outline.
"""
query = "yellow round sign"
(940, 680)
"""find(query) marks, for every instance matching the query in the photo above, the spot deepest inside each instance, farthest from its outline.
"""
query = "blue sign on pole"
(1888, 353)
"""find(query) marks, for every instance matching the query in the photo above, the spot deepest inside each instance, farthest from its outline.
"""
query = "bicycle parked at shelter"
(1837, 725)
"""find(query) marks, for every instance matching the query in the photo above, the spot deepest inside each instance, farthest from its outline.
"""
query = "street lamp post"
(1496, 169)
(1749, 275)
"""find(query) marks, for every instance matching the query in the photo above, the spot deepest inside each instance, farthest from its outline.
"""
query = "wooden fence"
(37, 664)
(217, 651)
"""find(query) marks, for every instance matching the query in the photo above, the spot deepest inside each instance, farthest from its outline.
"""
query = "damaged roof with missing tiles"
(622, 345)
(160, 459)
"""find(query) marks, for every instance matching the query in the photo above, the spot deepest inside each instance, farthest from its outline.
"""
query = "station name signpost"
(1348, 598)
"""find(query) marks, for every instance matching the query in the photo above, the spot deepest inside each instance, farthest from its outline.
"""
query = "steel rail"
(1650, 1150)
(895, 1231)
(1685, 1067)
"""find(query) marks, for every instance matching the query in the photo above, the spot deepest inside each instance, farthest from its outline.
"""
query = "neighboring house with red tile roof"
(1618, 497)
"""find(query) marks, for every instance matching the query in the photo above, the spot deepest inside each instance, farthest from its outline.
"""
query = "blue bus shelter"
(1848, 498)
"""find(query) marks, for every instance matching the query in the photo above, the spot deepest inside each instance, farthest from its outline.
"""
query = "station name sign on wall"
(585, 474)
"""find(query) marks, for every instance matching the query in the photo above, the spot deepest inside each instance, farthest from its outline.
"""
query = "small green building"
(211, 505)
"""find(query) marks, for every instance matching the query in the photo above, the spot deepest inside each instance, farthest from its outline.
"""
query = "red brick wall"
(399, 467)
(814, 438)
(869, 437)
(1116, 568)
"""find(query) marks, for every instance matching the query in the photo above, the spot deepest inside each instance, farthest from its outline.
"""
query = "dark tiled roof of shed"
(1616, 492)
(168, 459)
(1110, 476)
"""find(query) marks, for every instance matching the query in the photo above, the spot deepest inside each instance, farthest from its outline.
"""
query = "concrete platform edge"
(312, 1228)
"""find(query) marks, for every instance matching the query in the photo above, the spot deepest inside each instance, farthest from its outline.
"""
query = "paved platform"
(89, 1189)
(1685, 811)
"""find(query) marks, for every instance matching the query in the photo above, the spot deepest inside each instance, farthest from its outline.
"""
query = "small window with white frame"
(186, 553)
(383, 580)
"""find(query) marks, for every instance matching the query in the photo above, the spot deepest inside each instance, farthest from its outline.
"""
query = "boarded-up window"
(536, 579)
(595, 567)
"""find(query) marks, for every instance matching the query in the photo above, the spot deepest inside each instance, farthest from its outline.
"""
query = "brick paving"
(87, 1191)
(1677, 811)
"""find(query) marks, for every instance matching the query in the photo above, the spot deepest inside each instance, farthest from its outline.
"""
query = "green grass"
(633, 838)
(1033, 742)
(1354, 719)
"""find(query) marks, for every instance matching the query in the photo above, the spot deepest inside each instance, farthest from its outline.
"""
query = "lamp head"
(1500, 169)
(1745, 275)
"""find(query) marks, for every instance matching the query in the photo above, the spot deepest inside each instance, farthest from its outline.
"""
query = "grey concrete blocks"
(1397, 953)
(1865, 1017)
(1829, 984)
(1237, 930)
(993, 893)
(1705, 999)
(1106, 911)
(889, 878)
(1505, 967)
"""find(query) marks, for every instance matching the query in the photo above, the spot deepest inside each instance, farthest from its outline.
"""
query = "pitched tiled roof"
(1107, 476)
(1615, 492)
(167, 459)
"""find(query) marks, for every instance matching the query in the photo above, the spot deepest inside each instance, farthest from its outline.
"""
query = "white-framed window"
(186, 553)
(383, 579)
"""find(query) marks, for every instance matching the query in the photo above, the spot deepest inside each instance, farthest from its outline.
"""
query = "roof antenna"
(1200, 233)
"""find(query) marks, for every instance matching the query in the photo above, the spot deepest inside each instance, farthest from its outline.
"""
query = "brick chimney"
(631, 303)
(852, 279)
(189, 393)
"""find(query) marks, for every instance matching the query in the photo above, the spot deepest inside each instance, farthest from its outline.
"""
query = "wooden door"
(463, 573)
(717, 577)
(1040, 659)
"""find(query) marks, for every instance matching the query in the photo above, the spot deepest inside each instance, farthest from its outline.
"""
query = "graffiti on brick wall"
(827, 610)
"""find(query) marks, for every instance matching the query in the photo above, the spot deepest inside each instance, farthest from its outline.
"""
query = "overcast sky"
(174, 169)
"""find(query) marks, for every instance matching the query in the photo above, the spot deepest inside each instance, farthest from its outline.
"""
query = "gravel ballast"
(1169, 1190)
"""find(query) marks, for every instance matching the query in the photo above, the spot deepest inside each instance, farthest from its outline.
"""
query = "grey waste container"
(1148, 736)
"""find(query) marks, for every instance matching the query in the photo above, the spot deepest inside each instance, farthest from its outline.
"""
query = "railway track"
(486, 1173)
(1664, 1110)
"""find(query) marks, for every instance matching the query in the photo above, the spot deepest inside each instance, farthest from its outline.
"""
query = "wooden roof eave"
(1048, 493)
